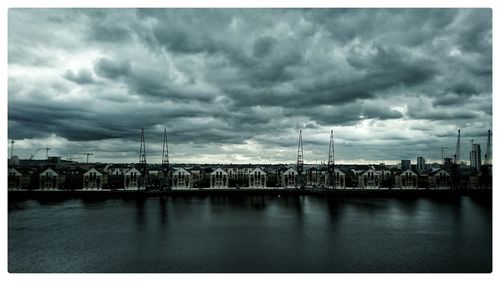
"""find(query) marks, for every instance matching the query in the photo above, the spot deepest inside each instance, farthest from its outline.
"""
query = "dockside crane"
(143, 168)
(300, 163)
(165, 164)
(331, 162)
(456, 157)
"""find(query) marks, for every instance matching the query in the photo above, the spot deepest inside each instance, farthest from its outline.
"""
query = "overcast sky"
(237, 85)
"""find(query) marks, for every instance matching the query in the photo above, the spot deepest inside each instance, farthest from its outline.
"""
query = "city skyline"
(236, 85)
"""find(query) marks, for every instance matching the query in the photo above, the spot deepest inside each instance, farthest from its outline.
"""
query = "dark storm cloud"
(112, 69)
(244, 81)
(263, 46)
(83, 76)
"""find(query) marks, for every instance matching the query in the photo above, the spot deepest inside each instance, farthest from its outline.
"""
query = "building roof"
(436, 171)
(257, 170)
(181, 170)
(219, 170)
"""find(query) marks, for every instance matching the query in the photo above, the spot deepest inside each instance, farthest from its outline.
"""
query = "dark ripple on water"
(250, 234)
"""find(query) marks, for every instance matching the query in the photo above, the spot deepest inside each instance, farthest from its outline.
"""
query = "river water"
(252, 233)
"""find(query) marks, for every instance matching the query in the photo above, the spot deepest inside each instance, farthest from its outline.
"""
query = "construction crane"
(38, 149)
(87, 154)
(73, 158)
(443, 148)
(300, 162)
(47, 152)
(456, 157)
(487, 157)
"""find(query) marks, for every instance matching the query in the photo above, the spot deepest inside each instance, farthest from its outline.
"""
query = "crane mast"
(142, 162)
(300, 163)
(456, 157)
(331, 162)
(165, 164)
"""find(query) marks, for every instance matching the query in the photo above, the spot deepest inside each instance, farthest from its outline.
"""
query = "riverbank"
(35, 194)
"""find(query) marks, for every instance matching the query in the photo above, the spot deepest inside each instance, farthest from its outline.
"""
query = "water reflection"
(140, 217)
(259, 233)
(163, 210)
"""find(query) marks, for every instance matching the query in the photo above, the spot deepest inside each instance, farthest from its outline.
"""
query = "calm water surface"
(250, 234)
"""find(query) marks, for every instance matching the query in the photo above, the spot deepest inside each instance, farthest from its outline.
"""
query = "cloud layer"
(236, 85)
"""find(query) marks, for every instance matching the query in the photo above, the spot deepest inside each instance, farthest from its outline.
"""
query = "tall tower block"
(487, 157)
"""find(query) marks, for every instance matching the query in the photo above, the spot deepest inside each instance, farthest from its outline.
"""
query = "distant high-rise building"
(448, 163)
(405, 164)
(421, 165)
(475, 156)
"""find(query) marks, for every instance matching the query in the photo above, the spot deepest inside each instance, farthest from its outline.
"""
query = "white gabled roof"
(339, 171)
(439, 170)
(181, 171)
(408, 170)
(289, 171)
(46, 171)
(219, 170)
(132, 170)
(93, 170)
(258, 170)
(369, 170)
(14, 170)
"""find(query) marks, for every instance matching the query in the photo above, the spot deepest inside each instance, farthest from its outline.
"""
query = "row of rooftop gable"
(127, 177)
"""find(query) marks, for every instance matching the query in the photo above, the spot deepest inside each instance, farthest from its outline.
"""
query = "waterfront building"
(439, 178)
(257, 178)
(73, 177)
(14, 179)
(339, 178)
(132, 177)
(232, 172)
(182, 179)
(219, 179)
(50, 180)
(406, 180)
(94, 180)
(116, 169)
(314, 177)
(197, 173)
(289, 178)
(369, 179)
